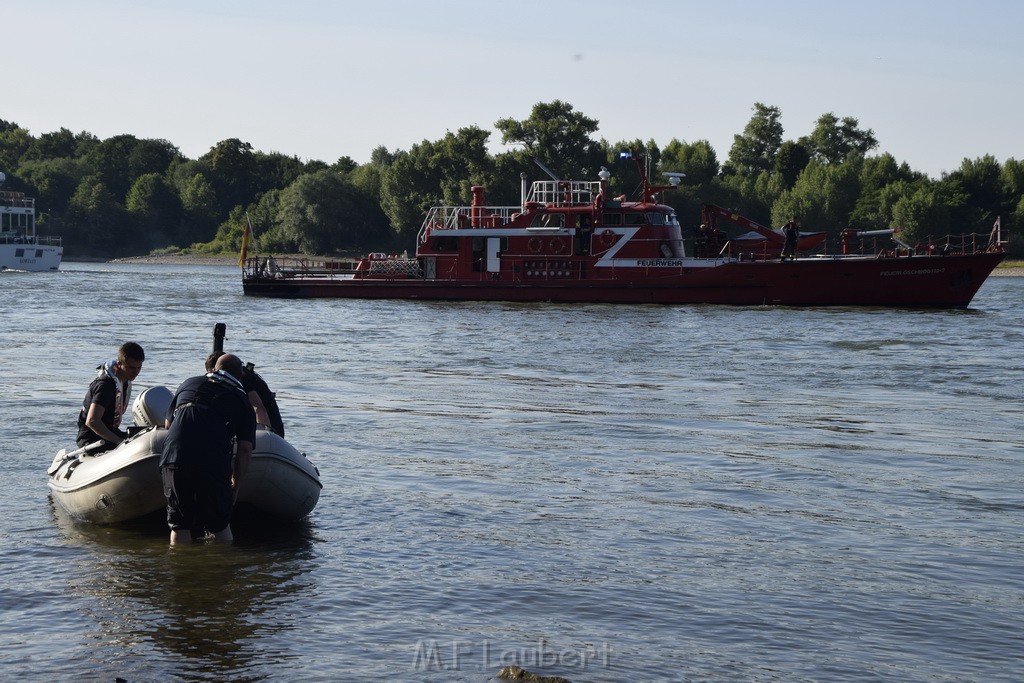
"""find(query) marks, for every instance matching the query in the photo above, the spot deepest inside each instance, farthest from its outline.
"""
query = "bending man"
(208, 414)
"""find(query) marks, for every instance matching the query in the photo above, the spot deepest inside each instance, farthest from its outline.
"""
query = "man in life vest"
(106, 400)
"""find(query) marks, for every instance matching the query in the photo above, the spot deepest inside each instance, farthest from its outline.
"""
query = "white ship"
(20, 247)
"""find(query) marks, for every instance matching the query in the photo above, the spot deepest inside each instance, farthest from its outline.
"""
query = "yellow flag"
(246, 236)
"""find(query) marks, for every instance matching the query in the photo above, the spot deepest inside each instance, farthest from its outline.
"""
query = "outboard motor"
(150, 408)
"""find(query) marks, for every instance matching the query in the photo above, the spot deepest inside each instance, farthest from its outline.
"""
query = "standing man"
(207, 415)
(106, 400)
(791, 232)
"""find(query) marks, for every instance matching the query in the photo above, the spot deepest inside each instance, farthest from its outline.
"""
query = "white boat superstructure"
(20, 247)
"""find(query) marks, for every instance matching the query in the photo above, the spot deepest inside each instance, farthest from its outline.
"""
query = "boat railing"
(964, 243)
(285, 268)
(455, 217)
(272, 267)
(880, 243)
(16, 200)
(564, 192)
(11, 237)
(396, 265)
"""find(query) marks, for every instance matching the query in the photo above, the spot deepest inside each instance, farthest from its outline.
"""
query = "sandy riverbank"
(195, 259)
(181, 260)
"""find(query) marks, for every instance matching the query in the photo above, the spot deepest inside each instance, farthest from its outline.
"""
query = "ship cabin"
(563, 229)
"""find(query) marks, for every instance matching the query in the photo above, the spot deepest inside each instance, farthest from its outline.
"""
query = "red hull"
(919, 281)
(568, 241)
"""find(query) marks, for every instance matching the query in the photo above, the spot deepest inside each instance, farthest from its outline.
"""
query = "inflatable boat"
(124, 483)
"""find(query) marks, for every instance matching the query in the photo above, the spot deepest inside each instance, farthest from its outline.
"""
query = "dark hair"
(130, 350)
(211, 360)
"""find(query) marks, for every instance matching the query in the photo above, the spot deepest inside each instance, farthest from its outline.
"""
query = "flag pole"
(246, 237)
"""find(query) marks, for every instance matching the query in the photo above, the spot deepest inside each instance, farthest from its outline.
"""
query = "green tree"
(697, 160)
(882, 183)
(156, 209)
(344, 165)
(232, 171)
(833, 139)
(53, 181)
(434, 172)
(110, 161)
(275, 171)
(822, 197)
(200, 206)
(322, 213)
(56, 145)
(751, 194)
(557, 135)
(151, 156)
(920, 217)
(754, 150)
(1013, 226)
(95, 223)
(14, 142)
(974, 194)
(369, 177)
(791, 159)
(266, 226)
(1012, 178)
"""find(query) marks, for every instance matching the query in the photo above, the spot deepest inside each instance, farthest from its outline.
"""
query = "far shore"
(1014, 269)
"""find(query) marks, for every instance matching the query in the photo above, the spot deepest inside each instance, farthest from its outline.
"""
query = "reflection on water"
(208, 611)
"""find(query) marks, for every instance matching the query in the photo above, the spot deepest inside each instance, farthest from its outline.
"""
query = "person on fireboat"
(792, 232)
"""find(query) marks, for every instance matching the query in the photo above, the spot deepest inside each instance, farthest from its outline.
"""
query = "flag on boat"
(246, 236)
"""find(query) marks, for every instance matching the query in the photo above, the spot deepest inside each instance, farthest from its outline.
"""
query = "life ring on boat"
(557, 245)
(534, 245)
(607, 237)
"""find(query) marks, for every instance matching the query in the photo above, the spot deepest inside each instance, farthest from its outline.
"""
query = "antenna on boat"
(546, 169)
(218, 337)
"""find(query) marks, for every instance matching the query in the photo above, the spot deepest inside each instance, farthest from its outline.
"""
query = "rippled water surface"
(605, 493)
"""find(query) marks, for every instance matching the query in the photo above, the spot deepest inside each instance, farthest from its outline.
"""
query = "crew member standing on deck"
(792, 232)
(207, 415)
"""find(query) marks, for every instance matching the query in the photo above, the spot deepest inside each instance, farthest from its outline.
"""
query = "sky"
(937, 81)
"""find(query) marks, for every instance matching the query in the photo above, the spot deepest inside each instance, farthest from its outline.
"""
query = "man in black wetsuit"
(106, 400)
(264, 401)
(207, 415)
(792, 233)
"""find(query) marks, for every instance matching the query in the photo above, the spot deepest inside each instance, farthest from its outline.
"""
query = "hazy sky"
(937, 80)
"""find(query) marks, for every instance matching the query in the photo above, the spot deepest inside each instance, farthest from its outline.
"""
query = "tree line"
(127, 196)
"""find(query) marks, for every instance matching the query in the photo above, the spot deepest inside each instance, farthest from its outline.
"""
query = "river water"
(605, 493)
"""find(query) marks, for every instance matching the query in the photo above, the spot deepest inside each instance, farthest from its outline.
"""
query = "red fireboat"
(569, 241)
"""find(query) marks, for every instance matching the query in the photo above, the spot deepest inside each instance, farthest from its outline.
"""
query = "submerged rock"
(517, 673)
